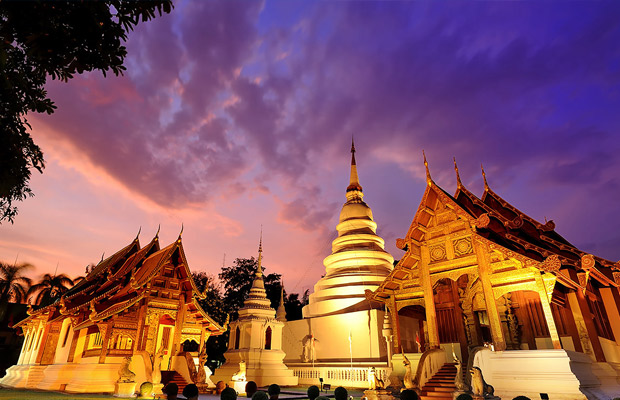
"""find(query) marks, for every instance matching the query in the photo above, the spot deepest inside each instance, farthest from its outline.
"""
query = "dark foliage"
(57, 39)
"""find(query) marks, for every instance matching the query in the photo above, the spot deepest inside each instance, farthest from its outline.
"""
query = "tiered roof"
(123, 279)
(503, 225)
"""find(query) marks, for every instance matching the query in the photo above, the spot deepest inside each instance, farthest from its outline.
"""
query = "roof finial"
(102, 255)
(138, 235)
(259, 269)
(459, 184)
(484, 177)
(157, 234)
(181, 233)
(428, 173)
(354, 183)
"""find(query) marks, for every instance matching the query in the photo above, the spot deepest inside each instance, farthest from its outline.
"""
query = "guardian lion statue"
(374, 382)
(240, 375)
(478, 386)
(124, 374)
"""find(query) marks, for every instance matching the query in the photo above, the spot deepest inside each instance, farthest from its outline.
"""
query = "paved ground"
(13, 394)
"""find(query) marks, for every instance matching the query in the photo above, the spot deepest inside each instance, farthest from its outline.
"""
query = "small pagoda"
(256, 340)
(126, 322)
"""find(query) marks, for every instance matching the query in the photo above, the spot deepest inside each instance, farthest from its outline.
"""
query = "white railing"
(334, 375)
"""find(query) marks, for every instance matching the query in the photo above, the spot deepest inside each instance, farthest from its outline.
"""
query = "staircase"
(441, 385)
(173, 377)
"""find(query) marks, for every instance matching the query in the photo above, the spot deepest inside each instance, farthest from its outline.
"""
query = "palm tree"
(13, 285)
(49, 289)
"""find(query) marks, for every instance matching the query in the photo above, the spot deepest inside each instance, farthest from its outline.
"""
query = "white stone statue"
(374, 382)
(124, 374)
(240, 375)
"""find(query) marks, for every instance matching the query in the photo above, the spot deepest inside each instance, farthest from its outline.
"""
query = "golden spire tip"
(484, 177)
(428, 173)
(459, 184)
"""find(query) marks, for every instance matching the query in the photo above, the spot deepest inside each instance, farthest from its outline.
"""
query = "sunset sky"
(237, 114)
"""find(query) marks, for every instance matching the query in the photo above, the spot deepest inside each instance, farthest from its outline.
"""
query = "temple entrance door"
(530, 330)
(450, 318)
(411, 322)
(165, 336)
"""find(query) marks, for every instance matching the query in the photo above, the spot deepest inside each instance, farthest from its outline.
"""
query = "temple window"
(166, 337)
(39, 340)
(94, 340)
(123, 342)
(237, 338)
(595, 304)
(64, 340)
(268, 338)
(28, 342)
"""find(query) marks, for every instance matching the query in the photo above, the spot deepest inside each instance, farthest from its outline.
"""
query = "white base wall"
(563, 375)
(331, 334)
(262, 366)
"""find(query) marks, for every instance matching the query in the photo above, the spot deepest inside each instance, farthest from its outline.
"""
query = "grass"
(15, 394)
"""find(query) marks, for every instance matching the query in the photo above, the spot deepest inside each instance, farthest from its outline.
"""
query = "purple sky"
(237, 114)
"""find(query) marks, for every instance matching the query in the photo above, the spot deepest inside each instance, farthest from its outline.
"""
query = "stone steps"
(441, 385)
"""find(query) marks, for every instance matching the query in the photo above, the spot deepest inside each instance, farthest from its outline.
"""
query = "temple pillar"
(27, 339)
(484, 270)
(429, 299)
(396, 324)
(42, 343)
(178, 328)
(105, 331)
(611, 301)
(546, 306)
(140, 338)
(585, 325)
(460, 326)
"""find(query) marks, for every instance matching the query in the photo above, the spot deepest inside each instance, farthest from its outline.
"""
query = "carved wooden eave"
(212, 326)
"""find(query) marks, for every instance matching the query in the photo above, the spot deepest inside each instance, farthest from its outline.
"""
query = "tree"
(50, 289)
(57, 39)
(13, 284)
(237, 281)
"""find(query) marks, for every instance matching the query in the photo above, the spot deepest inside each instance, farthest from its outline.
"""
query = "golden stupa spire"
(459, 184)
(428, 173)
(484, 177)
(259, 269)
(354, 181)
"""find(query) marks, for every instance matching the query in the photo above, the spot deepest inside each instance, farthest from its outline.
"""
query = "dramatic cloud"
(247, 110)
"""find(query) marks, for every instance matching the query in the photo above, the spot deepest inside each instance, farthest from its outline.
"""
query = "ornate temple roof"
(502, 224)
(121, 280)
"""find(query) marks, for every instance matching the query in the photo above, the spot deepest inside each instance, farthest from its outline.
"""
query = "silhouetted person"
(260, 395)
(228, 394)
(273, 391)
(409, 394)
(521, 398)
(171, 391)
(190, 392)
(250, 388)
(341, 393)
(313, 392)
(464, 396)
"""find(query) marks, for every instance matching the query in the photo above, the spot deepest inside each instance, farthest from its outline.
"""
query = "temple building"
(126, 323)
(255, 346)
(341, 332)
(479, 272)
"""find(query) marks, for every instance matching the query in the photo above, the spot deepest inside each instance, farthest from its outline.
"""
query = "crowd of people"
(190, 392)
